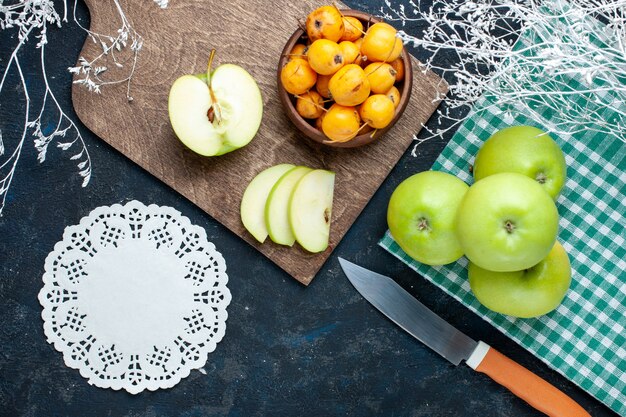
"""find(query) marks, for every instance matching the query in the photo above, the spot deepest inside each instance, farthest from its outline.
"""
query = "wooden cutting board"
(177, 41)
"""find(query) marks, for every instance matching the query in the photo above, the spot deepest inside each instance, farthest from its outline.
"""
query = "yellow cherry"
(377, 111)
(353, 29)
(381, 76)
(349, 86)
(325, 56)
(381, 44)
(394, 96)
(297, 76)
(325, 22)
(310, 105)
(341, 123)
(349, 51)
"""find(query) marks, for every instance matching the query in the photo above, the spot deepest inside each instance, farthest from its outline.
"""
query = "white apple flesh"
(310, 209)
(255, 197)
(218, 113)
(277, 206)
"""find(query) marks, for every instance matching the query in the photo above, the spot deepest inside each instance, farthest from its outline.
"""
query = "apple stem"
(208, 68)
(217, 111)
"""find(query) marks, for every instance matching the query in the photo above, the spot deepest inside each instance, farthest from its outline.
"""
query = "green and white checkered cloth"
(584, 338)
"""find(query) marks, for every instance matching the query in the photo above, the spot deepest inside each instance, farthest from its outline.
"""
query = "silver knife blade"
(408, 313)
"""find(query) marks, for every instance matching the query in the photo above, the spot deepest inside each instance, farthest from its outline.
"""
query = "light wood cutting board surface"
(177, 41)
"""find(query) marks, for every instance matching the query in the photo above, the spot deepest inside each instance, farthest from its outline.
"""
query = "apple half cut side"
(192, 103)
(310, 209)
(255, 197)
(277, 206)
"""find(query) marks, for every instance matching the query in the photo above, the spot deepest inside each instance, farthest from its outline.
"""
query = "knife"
(436, 333)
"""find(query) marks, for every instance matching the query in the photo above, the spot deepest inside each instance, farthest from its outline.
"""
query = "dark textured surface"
(288, 350)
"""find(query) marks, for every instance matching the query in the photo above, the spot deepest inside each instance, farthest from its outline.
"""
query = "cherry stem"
(362, 127)
(349, 22)
(376, 69)
(396, 39)
(310, 101)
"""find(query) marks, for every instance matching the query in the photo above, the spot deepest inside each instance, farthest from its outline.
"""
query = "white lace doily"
(134, 297)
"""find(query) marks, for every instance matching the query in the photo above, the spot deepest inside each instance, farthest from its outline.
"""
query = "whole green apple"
(528, 293)
(526, 150)
(506, 222)
(421, 216)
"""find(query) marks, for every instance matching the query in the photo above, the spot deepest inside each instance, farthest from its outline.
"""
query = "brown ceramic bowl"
(305, 126)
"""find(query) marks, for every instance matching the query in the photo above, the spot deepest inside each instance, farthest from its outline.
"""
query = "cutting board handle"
(536, 391)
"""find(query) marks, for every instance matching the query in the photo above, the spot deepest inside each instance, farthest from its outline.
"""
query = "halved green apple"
(254, 198)
(310, 208)
(277, 206)
(218, 112)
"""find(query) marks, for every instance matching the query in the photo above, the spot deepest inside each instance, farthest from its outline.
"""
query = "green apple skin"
(255, 197)
(506, 222)
(277, 206)
(239, 98)
(421, 216)
(526, 150)
(532, 292)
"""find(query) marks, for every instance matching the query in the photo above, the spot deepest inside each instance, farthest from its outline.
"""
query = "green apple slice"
(277, 206)
(254, 199)
(310, 208)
